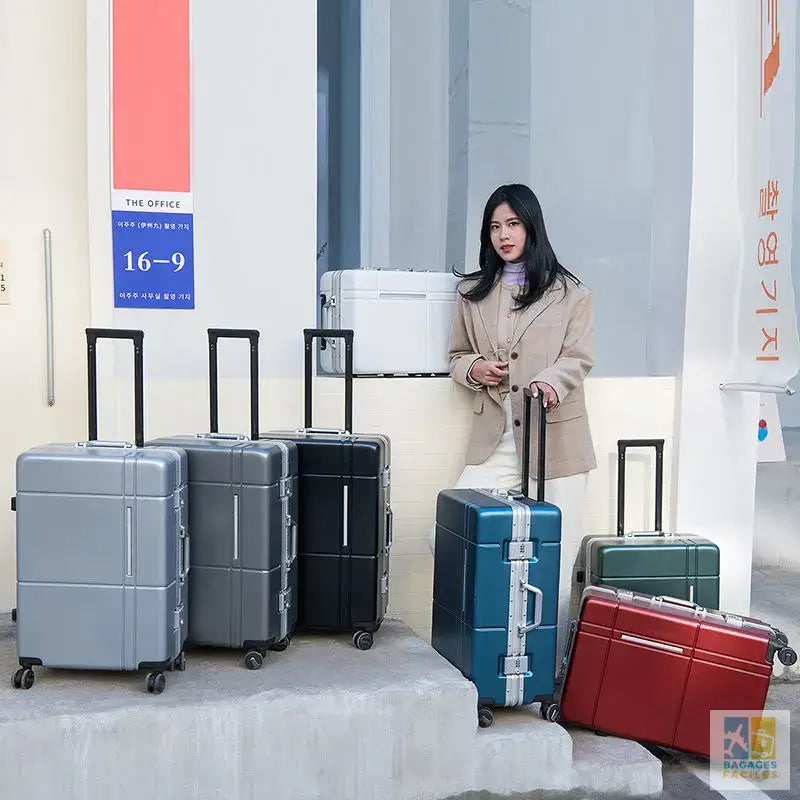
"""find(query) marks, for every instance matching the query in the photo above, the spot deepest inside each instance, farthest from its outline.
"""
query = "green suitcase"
(653, 562)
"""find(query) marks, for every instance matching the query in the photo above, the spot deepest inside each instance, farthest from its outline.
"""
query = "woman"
(525, 320)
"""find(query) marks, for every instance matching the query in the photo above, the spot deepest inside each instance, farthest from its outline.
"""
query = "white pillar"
(717, 431)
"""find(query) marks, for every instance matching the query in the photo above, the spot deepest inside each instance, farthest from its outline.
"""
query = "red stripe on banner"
(151, 95)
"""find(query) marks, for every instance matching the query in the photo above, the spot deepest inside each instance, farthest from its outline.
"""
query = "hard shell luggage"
(654, 562)
(653, 668)
(495, 588)
(102, 549)
(345, 519)
(243, 517)
(400, 318)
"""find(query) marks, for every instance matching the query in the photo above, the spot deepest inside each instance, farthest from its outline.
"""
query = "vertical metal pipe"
(48, 289)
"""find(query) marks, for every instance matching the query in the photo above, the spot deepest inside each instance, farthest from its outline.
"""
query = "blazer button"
(515, 388)
(514, 355)
(517, 422)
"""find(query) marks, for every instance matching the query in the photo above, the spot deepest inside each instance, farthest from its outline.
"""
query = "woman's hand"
(489, 373)
(549, 393)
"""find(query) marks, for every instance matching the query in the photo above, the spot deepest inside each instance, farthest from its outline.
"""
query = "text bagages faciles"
(243, 512)
(654, 562)
(653, 668)
(102, 548)
(495, 587)
(400, 318)
(345, 517)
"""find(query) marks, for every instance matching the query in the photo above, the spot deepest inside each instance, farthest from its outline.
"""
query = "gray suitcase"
(242, 513)
(102, 549)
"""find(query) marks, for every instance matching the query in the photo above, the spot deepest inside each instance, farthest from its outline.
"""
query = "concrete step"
(321, 720)
(606, 765)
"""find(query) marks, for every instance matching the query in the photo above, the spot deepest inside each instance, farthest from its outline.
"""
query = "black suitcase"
(344, 519)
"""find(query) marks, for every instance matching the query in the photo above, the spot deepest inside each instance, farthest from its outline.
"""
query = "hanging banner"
(151, 192)
(767, 349)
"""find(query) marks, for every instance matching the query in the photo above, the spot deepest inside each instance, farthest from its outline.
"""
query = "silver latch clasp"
(515, 665)
(520, 551)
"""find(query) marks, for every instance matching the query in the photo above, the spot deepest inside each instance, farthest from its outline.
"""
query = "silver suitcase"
(401, 319)
(102, 549)
(242, 513)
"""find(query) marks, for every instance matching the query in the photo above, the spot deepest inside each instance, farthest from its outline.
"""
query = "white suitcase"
(400, 318)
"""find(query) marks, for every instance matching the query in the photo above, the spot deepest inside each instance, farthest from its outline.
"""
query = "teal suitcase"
(652, 562)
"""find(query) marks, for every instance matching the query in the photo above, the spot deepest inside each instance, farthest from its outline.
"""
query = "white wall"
(42, 185)
(717, 445)
(254, 183)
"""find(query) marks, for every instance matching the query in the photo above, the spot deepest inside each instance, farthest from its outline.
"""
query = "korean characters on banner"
(768, 350)
(151, 194)
(768, 308)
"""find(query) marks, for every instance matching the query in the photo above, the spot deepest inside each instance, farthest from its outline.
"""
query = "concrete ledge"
(321, 720)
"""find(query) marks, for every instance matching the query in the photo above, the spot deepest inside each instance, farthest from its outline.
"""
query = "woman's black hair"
(542, 268)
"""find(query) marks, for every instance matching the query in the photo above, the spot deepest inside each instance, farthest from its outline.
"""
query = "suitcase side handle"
(622, 449)
(309, 334)
(137, 337)
(214, 334)
(526, 444)
(537, 612)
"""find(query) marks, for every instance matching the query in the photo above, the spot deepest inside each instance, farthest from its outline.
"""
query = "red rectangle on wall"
(151, 95)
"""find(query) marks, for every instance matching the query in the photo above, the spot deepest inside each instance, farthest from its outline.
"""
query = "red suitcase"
(653, 668)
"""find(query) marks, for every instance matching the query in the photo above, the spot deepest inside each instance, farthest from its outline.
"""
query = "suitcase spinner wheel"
(23, 678)
(363, 640)
(485, 717)
(550, 711)
(155, 683)
(787, 656)
(254, 659)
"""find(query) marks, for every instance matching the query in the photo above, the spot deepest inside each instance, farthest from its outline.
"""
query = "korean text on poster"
(153, 260)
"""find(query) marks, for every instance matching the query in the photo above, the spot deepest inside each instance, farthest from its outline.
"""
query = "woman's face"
(507, 232)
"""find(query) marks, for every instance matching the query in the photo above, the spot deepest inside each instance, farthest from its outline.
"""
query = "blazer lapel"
(533, 311)
(487, 311)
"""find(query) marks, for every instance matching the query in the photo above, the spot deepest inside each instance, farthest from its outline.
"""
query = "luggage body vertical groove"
(345, 520)
(102, 549)
(653, 562)
(415, 306)
(495, 589)
(653, 668)
(243, 509)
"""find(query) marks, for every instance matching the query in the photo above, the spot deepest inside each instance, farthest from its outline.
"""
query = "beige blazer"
(554, 343)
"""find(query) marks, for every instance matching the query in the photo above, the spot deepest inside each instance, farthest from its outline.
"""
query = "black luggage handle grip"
(309, 334)
(137, 337)
(214, 334)
(526, 444)
(622, 448)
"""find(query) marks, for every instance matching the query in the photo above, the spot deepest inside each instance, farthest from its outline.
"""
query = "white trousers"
(502, 470)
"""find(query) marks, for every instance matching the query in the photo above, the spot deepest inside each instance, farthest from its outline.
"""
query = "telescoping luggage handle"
(622, 447)
(309, 335)
(137, 337)
(526, 445)
(214, 334)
